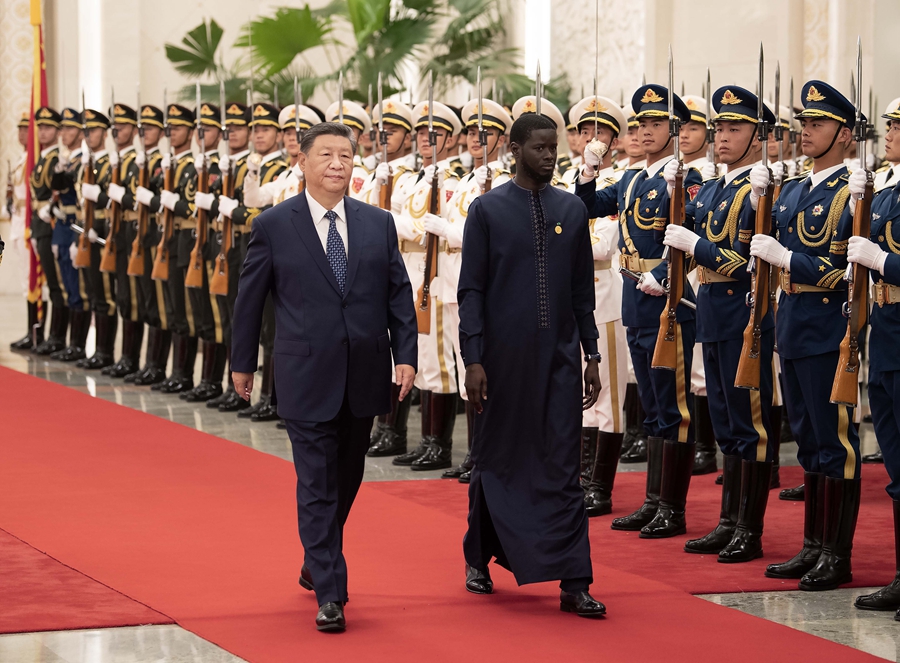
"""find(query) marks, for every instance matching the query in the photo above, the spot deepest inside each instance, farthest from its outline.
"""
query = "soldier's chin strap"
(836, 134)
(747, 149)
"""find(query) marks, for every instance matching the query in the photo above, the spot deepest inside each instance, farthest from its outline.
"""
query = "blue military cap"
(821, 100)
(653, 101)
(736, 104)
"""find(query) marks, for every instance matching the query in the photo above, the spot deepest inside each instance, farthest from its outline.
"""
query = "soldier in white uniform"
(496, 122)
(436, 379)
(18, 242)
(355, 117)
(603, 426)
(631, 152)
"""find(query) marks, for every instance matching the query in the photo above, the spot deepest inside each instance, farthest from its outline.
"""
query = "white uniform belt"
(797, 288)
(600, 265)
(885, 293)
(707, 275)
(638, 264)
(410, 246)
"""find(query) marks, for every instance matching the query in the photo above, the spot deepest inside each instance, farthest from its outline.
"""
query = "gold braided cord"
(893, 245)
(731, 220)
(640, 221)
(831, 221)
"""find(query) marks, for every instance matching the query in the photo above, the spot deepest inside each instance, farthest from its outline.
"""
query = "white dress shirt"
(317, 212)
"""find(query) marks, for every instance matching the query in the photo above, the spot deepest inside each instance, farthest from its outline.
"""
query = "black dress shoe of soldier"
(873, 458)
(582, 604)
(389, 443)
(330, 618)
(478, 582)
(637, 453)
(793, 494)
(466, 477)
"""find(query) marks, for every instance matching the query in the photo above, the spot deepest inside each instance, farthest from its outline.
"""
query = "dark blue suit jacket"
(326, 344)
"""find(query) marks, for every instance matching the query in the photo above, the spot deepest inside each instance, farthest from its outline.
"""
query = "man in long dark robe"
(526, 301)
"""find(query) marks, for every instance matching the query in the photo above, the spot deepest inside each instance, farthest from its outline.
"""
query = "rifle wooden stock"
(385, 192)
(845, 390)
(489, 179)
(83, 256)
(136, 259)
(749, 365)
(161, 263)
(432, 244)
(110, 250)
(197, 266)
(665, 354)
(218, 284)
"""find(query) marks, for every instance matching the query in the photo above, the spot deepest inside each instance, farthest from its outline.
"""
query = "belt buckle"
(881, 294)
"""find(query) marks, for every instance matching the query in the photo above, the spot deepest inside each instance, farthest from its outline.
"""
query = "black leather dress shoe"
(465, 477)
(637, 453)
(873, 458)
(478, 582)
(793, 494)
(330, 618)
(582, 604)
(306, 581)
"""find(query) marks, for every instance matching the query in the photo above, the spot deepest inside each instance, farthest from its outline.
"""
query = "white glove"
(382, 173)
(44, 214)
(54, 249)
(857, 186)
(370, 162)
(435, 225)
(64, 157)
(466, 159)
(205, 200)
(114, 159)
(769, 249)
(481, 174)
(590, 164)
(791, 168)
(224, 163)
(166, 161)
(144, 196)
(85, 154)
(779, 171)
(34, 246)
(709, 171)
(227, 206)
(759, 183)
(650, 286)
(866, 253)
(253, 164)
(669, 172)
(430, 172)
(201, 162)
(73, 250)
(90, 192)
(141, 159)
(168, 199)
(58, 213)
(853, 165)
(115, 192)
(93, 236)
(679, 237)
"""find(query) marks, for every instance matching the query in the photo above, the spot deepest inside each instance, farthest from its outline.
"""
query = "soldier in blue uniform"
(881, 254)
(723, 220)
(813, 224)
(641, 200)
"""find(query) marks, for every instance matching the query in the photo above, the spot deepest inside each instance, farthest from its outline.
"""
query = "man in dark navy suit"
(343, 306)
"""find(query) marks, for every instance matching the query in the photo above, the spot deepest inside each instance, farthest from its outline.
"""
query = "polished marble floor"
(829, 614)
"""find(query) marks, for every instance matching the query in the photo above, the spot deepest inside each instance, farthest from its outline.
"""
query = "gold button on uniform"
(881, 238)
(730, 292)
(824, 300)
(790, 230)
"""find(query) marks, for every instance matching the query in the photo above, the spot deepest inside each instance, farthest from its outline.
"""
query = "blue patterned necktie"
(335, 253)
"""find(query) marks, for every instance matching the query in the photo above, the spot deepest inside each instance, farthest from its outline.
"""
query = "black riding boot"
(678, 461)
(230, 401)
(59, 325)
(214, 403)
(466, 466)
(35, 333)
(588, 454)
(598, 496)
(634, 447)
(841, 511)
(211, 376)
(393, 439)
(265, 391)
(645, 514)
(184, 359)
(886, 598)
(716, 540)
(440, 443)
(813, 525)
(158, 344)
(269, 410)
(746, 544)
(775, 418)
(705, 456)
(106, 338)
(80, 326)
(132, 338)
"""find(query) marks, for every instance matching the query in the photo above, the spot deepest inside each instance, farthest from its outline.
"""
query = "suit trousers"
(329, 458)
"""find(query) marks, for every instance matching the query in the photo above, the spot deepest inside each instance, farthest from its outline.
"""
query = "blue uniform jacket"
(883, 355)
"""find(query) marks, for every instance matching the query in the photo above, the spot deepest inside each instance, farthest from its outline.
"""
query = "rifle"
(161, 263)
(778, 132)
(10, 189)
(197, 266)
(110, 250)
(386, 191)
(298, 99)
(845, 390)
(83, 257)
(432, 242)
(218, 284)
(482, 135)
(665, 354)
(710, 127)
(748, 371)
(136, 260)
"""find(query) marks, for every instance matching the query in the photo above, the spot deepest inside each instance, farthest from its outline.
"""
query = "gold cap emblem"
(813, 94)
(529, 107)
(68, 114)
(389, 107)
(89, 114)
(119, 110)
(651, 97)
(174, 112)
(729, 99)
(206, 110)
(147, 112)
(260, 110)
(234, 109)
(45, 112)
(595, 105)
(691, 104)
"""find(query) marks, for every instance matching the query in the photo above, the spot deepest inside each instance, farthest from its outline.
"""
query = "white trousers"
(436, 362)
(607, 414)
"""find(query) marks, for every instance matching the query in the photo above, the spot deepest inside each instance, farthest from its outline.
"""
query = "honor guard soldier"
(572, 159)
(355, 117)
(234, 165)
(207, 323)
(789, 165)
(180, 203)
(603, 426)
(435, 378)
(397, 126)
(124, 132)
(151, 300)
(66, 211)
(263, 166)
(880, 252)
(813, 224)
(17, 239)
(723, 222)
(632, 154)
(47, 122)
(102, 285)
(641, 199)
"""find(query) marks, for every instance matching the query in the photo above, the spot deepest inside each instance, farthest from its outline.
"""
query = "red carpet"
(203, 530)
(40, 594)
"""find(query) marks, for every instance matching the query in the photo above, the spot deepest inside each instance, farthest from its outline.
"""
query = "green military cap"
(153, 116)
(23, 121)
(71, 118)
(123, 114)
(265, 115)
(47, 116)
(237, 114)
(180, 115)
(93, 118)
(210, 115)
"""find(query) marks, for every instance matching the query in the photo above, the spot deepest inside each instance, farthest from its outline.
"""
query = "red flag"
(38, 99)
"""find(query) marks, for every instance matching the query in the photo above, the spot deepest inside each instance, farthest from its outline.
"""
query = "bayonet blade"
(380, 106)
(760, 113)
(297, 109)
(480, 111)
(341, 97)
(596, 119)
(671, 86)
(537, 87)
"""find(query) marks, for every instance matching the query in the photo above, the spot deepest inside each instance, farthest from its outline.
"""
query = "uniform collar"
(271, 156)
(697, 163)
(153, 150)
(99, 154)
(732, 175)
(128, 149)
(606, 172)
(183, 155)
(817, 178)
(48, 150)
(239, 155)
(657, 166)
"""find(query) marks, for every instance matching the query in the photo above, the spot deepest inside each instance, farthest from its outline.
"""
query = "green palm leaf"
(277, 40)
(198, 57)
